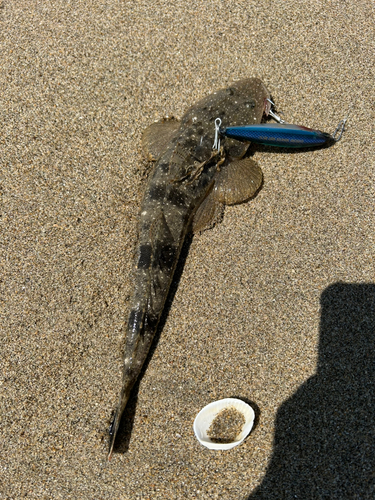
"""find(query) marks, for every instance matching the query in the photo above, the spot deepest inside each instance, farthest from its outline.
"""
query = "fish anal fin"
(156, 137)
(209, 213)
(237, 182)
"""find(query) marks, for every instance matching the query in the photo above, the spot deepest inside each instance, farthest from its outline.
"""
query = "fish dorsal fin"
(209, 213)
(156, 137)
(237, 182)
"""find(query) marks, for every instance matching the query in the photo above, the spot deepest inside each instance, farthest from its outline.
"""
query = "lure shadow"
(275, 149)
(127, 420)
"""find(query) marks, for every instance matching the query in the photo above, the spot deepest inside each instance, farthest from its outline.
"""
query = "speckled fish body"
(188, 179)
(280, 135)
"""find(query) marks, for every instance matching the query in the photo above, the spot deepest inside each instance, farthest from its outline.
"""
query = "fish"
(186, 191)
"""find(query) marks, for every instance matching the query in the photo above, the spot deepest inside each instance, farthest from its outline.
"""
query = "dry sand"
(276, 304)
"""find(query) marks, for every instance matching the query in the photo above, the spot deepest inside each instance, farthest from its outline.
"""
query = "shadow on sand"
(324, 445)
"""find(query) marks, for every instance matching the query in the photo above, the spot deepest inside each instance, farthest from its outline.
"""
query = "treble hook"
(217, 134)
(341, 126)
(274, 115)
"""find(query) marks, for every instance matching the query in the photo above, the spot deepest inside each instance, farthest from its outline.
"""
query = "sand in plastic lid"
(224, 424)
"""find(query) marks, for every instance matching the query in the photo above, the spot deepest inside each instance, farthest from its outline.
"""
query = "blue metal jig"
(283, 134)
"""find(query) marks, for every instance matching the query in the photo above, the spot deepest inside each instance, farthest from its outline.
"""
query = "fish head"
(242, 103)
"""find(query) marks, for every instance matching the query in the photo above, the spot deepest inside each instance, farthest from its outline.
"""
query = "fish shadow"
(127, 421)
(324, 444)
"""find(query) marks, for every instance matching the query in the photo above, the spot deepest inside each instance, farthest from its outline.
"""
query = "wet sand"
(275, 305)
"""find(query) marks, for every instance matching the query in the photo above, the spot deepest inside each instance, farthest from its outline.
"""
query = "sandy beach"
(275, 305)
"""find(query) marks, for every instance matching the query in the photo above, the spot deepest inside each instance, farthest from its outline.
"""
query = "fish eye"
(250, 104)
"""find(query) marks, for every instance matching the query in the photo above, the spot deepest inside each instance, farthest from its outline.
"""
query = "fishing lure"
(281, 134)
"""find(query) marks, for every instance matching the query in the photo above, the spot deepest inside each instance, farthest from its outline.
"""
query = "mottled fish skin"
(183, 176)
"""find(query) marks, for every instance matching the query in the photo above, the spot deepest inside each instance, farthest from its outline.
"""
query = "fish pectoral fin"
(237, 182)
(156, 137)
(209, 213)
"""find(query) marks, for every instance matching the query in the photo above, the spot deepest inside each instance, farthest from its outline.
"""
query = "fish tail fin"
(141, 330)
(112, 433)
(115, 424)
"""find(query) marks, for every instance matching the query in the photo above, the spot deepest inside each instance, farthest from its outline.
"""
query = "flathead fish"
(186, 191)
